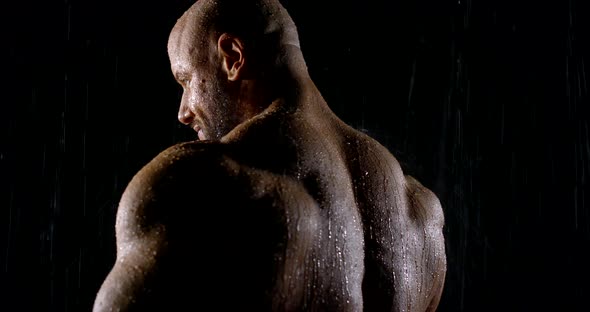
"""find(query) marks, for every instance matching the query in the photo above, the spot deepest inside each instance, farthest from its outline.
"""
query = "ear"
(231, 51)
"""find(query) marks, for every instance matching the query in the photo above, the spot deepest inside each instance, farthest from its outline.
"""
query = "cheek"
(203, 95)
(194, 97)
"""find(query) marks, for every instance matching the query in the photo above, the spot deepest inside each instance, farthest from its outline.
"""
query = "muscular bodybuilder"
(279, 205)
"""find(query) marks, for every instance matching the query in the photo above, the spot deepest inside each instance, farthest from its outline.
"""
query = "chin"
(201, 135)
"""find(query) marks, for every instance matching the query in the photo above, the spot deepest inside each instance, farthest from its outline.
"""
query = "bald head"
(233, 59)
(263, 25)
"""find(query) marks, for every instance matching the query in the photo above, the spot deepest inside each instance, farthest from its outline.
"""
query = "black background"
(485, 102)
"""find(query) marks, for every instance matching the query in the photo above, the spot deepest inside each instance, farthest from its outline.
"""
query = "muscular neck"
(292, 83)
(288, 90)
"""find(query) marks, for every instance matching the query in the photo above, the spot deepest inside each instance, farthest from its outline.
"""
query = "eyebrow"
(179, 76)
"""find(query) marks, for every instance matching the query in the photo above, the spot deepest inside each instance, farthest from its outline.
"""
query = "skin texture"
(279, 206)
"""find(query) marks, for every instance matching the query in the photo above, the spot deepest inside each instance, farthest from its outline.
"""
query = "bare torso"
(289, 212)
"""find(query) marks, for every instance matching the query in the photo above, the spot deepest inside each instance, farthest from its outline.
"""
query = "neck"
(291, 83)
(292, 93)
(287, 88)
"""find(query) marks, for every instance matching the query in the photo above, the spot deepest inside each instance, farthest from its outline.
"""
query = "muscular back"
(288, 212)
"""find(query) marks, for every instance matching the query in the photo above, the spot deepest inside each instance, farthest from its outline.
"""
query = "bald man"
(279, 205)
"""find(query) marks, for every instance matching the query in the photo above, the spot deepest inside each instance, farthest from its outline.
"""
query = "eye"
(183, 80)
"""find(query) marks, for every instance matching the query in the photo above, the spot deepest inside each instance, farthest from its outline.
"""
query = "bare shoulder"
(153, 198)
(405, 238)
(163, 182)
(424, 203)
(178, 157)
(178, 160)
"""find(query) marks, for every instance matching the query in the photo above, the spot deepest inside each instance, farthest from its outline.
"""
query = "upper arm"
(134, 272)
(424, 205)
(142, 234)
(427, 211)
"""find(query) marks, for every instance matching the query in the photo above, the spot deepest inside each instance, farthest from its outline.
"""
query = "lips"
(199, 132)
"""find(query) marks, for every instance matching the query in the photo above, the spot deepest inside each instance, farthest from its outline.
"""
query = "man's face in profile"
(205, 104)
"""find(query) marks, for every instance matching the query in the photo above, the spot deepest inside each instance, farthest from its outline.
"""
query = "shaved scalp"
(264, 25)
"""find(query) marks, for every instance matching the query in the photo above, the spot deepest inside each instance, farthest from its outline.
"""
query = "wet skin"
(289, 210)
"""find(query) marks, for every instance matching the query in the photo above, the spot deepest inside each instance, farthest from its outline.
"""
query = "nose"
(185, 115)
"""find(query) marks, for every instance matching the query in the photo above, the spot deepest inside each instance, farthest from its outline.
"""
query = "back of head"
(264, 25)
